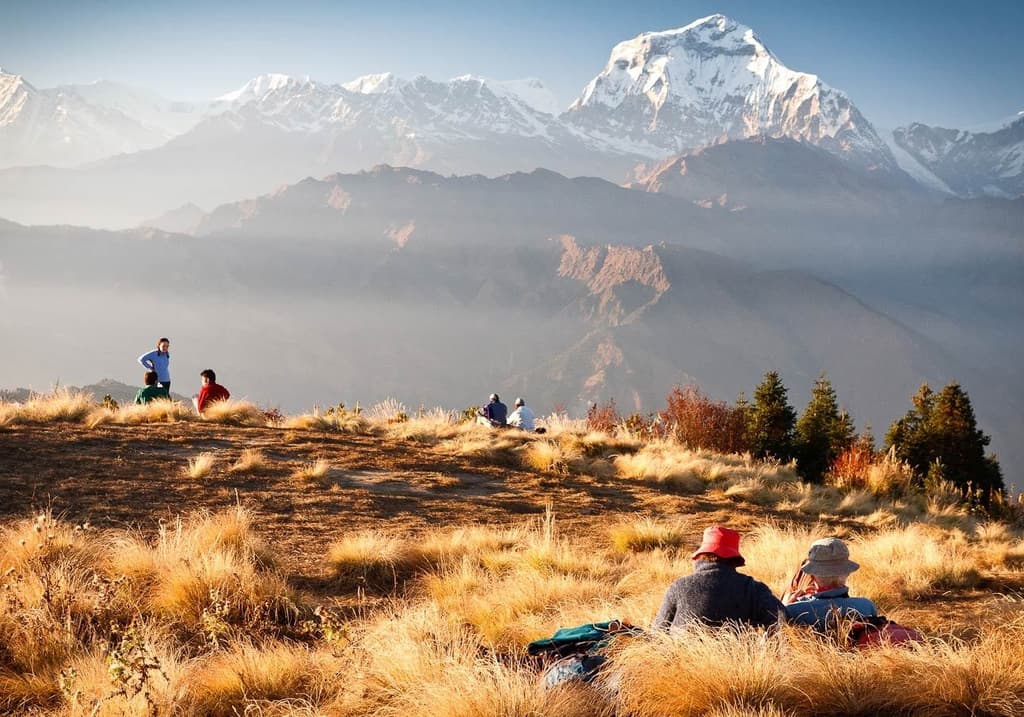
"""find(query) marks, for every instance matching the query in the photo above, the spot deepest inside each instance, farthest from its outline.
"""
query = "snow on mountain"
(714, 78)
(259, 86)
(970, 163)
(920, 173)
(383, 103)
(531, 91)
(372, 84)
(61, 127)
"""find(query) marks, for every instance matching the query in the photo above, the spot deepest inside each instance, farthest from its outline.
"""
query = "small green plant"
(327, 625)
(469, 414)
(109, 403)
(131, 666)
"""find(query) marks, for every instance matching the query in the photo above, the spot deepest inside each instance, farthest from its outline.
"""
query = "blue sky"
(954, 64)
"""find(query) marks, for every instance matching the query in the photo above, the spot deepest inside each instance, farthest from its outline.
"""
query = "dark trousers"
(165, 384)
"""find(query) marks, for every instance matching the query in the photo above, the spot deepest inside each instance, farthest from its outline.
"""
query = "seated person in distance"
(211, 392)
(494, 414)
(522, 417)
(151, 392)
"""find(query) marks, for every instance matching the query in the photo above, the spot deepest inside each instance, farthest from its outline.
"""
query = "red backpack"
(877, 631)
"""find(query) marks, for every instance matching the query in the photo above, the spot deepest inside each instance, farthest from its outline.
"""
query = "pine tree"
(961, 445)
(911, 435)
(939, 437)
(822, 433)
(772, 420)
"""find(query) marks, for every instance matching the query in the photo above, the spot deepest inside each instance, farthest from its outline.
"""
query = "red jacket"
(211, 393)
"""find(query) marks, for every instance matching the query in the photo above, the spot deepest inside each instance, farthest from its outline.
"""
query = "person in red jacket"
(211, 392)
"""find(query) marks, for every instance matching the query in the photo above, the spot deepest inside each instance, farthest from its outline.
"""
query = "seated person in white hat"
(818, 595)
(522, 417)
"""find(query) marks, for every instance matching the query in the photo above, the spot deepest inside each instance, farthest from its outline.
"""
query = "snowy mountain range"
(970, 163)
(658, 95)
(70, 125)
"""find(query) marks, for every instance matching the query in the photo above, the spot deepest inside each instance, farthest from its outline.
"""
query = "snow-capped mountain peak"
(713, 78)
(259, 86)
(531, 91)
(373, 84)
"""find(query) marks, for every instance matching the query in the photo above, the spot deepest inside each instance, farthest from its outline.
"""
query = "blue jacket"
(497, 412)
(715, 594)
(159, 362)
(822, 610)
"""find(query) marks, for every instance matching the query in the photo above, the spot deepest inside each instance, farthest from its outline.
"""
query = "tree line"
(938, 437)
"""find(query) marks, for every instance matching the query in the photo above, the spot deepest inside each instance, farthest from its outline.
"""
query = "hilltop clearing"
(152, 563)
(121, 476)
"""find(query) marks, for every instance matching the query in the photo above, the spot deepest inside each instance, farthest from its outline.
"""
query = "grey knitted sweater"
(715, 594)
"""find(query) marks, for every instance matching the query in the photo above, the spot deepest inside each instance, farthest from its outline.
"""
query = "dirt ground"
(132, 476)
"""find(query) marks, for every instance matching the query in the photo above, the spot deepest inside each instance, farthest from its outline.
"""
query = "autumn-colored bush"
(602, 417)
(692, 418)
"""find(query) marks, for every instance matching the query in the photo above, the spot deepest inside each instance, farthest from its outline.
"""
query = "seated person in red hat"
(715, 594)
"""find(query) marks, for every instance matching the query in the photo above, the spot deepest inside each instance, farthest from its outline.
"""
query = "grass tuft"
(234, 413)
(62, 405)
(312, 472)
(251, 461)
(201, 466)
(646, 534)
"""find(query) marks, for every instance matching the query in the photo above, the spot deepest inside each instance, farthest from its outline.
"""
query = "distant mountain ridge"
(971, 163)
(659, 94)
(120, 392)
(61, 127)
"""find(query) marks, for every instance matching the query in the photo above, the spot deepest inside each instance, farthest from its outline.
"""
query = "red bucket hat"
(720, 541)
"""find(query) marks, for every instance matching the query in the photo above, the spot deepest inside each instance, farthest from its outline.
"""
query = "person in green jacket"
(151, 392)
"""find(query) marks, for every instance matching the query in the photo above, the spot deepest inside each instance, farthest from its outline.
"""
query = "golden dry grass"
(343, 422)
(312, 472)
(234, 413)
(199, 616)
(132, 414)
(201, 466)
(646, 534)
(691, 471)
(197, 622)
(251, 460)
(370, 557)
(60, 405)
(736, 672)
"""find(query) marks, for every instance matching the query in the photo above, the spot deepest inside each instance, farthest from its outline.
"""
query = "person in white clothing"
(522, 417)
